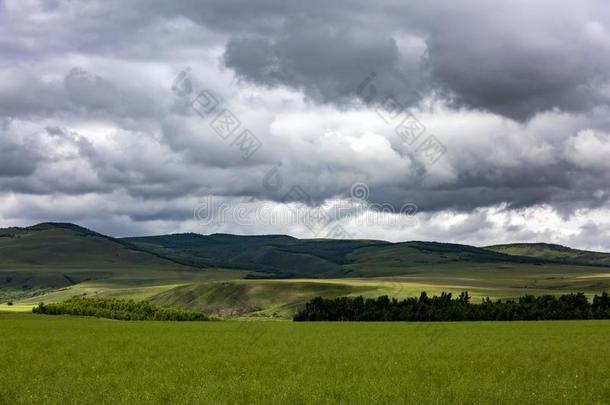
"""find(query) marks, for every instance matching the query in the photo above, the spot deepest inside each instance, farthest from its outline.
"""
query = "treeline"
(113, 308)
(447, 308)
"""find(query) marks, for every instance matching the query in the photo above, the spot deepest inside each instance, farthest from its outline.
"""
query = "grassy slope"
(403, 258)
(283, 256)
(53, 256)
(49, 246)
(553, 252)
(281, 297)
(60, 360)
(279, 255)
(255, 298)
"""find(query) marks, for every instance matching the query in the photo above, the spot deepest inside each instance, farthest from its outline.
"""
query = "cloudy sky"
(474, 122)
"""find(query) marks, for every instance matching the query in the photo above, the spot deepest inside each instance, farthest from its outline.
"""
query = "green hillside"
(286, 257)
(55, 255)
(206, 250)
(65, 245)
(394, 259)
(553, 252)
(271, 255)
(261, 298)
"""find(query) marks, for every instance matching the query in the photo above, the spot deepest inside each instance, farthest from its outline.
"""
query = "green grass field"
(227, 294)
(63, 360)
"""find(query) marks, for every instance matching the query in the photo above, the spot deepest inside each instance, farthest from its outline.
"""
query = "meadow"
(63, 360)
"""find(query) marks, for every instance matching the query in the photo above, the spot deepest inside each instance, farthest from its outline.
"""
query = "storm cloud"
(479, 114)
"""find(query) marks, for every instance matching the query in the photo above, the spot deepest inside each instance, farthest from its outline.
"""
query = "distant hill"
(275, 255)
(69, 245)
(553, 252)
(398, 258)
(283, 256)
(233, 275)
(55, 255)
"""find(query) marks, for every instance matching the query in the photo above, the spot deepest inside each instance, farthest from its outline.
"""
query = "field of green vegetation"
(63, 360)
(71, 359)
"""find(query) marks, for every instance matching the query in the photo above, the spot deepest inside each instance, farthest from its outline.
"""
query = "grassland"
(63, 360)
(280, 298)
(226, 293)
(553, 252)
(270, 276)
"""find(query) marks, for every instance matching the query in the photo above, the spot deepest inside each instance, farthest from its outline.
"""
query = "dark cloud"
(518, 58)
(328, 62)
(89, 90)
(516, 92)
(512, 58)
(16, 161)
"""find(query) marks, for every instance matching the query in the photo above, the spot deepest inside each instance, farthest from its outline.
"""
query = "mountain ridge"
(284, 256)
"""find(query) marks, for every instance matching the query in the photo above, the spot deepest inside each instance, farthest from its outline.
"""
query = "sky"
(474, 122)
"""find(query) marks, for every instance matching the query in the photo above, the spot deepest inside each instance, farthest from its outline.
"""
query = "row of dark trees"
(117, 309)
(447, 308)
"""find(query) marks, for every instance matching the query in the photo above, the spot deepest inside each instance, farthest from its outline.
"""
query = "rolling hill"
(270, 275)
(263, 298)
(553, 252)
(269, 255)
(67, 245)
(55, 255)
(280, 256)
